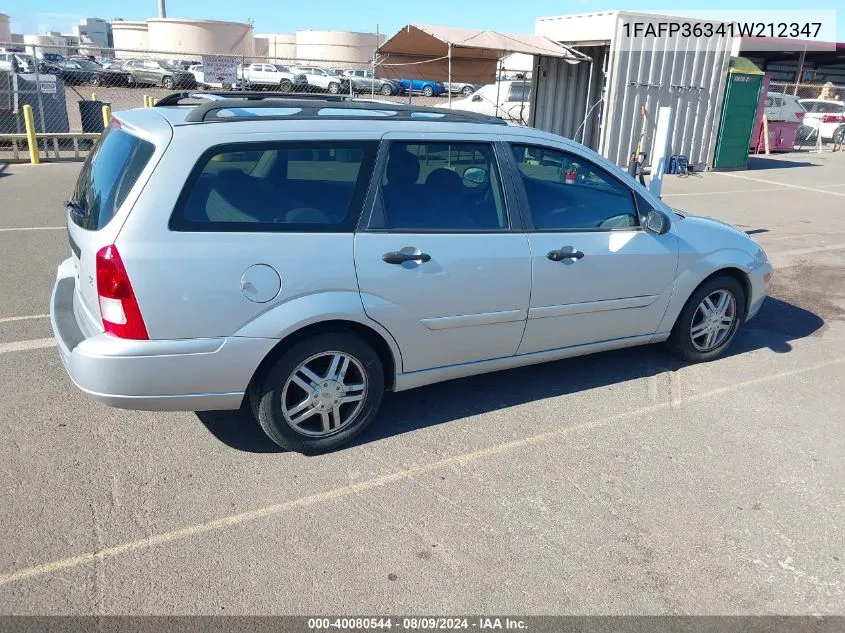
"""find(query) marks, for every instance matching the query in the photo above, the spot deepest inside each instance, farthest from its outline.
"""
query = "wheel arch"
(692, 279)
(388, 356)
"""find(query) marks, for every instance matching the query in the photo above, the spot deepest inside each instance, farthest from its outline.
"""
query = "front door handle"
(560, 255)
(398, 257)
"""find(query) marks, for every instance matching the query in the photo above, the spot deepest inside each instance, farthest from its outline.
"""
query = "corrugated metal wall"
(688, 74)
(560, 99)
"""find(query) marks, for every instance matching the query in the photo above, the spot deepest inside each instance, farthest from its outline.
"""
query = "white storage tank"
(631, 72)
(281, 47)
(129, 36)
(5, 29)
(182, 35)
(337, 46)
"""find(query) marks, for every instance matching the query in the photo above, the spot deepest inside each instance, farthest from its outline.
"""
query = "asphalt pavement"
(619, 483)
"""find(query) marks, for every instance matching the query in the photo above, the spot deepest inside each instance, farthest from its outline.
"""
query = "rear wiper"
(76, 210)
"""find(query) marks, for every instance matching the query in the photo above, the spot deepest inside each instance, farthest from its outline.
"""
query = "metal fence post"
(32, 143)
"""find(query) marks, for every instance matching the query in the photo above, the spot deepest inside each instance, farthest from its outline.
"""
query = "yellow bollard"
(106, 115)
(146, 101)
(153, 102)
(93, 96)
(32, 143)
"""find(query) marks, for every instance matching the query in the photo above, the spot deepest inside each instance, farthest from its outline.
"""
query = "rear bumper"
(159, 375)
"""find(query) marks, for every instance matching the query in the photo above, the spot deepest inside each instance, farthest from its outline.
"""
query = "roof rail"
(311, 107)
(175, 98)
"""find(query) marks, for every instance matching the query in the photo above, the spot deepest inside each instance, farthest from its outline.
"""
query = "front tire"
(709, 321)
(334, 88)
(467, 91)
(320, 393)
(838, 136)
(428, 91)
(285, 85)
(386, 90)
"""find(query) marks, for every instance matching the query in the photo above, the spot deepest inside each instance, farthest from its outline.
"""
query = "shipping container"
(641, 63)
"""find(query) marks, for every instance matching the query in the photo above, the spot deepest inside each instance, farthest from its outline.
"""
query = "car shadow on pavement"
(776, 325)
(4, 167)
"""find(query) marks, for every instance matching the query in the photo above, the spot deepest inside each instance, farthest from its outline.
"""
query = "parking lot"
(623, 482)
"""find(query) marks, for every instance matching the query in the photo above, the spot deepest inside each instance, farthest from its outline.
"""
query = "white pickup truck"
(275, 76)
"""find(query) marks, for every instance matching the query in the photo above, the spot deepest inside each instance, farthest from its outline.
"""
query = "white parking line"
(781, 184)
(233, 520)
(24, 318)
(34, 228)
(714, 193)
(20, 346)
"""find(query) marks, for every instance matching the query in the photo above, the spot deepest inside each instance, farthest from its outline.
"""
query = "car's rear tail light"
(832, 118)
(799, 115)
(118, 305)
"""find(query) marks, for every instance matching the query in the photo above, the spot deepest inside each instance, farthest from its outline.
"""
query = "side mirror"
(476, 176)
(656, 222)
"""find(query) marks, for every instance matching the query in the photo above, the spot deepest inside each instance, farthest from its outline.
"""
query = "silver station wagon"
(305, 254)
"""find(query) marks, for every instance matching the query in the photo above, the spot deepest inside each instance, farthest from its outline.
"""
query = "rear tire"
(96, 80)
(689, 339)
(167, 83)
(467, 91)
(428, 91)
(299, 401)
(386, 90)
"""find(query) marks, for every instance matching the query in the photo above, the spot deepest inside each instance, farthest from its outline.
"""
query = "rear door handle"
(560, 255)
(398, 257)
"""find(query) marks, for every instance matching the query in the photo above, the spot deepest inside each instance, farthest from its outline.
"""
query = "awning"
(422, 52)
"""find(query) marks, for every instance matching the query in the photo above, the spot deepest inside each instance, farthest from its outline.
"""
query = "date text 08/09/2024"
(417, 623)
(722, 29)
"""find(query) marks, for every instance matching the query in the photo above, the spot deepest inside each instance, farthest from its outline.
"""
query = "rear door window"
(277, 187)
(107, 176)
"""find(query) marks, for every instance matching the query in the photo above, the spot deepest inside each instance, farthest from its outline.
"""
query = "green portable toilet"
(739, 113)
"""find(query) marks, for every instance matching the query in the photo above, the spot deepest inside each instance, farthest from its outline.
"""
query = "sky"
(37, 16)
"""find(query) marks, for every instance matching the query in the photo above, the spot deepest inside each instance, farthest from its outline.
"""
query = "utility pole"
(162, 11)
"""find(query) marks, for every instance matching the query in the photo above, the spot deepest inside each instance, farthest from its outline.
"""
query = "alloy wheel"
(324, 394)
(713, 321)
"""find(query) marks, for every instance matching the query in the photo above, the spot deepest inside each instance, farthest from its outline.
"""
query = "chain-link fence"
(820, 107)
(67, 90)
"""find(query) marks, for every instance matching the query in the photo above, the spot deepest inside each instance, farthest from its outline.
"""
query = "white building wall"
(94, 31)
(688, 74)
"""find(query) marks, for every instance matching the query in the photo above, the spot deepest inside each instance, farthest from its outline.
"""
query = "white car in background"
(319, 78)
(828, 117)
(274, 76)
(508, 100)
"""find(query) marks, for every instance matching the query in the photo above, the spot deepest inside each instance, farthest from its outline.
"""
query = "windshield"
(282, 69)
(88, 65)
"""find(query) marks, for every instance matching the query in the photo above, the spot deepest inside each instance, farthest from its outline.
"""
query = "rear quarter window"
(277, 187)
(107, 176)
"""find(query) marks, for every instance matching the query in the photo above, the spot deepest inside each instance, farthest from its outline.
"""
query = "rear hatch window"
(107, 177)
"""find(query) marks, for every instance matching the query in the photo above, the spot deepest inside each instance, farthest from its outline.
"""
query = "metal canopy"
(424, 52)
